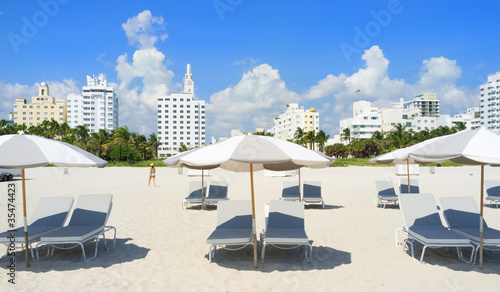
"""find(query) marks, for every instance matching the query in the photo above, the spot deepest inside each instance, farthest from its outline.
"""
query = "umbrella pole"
(300, 193)
(253, 220)
(408, 172)
(26, 246)
(202, 191)
(481, 221)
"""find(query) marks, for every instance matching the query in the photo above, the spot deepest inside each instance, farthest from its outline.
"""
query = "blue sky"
(250, 58)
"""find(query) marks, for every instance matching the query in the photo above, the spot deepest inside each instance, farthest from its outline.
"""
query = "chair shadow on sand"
(69, 260)
(318, 207)
(447, 257)
(323, 258)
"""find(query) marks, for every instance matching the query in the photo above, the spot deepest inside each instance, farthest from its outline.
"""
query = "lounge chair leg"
(423, 253)
(263, 252)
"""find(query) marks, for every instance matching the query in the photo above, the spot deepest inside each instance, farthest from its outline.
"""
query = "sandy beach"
(161, 246)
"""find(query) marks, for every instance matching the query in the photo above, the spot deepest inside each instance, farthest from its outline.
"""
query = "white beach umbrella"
(401, 156)
(26, 151)
(248, 154)
(466, 147)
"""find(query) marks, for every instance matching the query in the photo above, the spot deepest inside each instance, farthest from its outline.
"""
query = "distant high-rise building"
(181, 119)
(490, 103)
(43, 107)
(287, 123)
(96, 108)
(426, 103)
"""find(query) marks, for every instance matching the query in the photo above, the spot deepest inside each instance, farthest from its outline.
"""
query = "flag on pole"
(357, 91)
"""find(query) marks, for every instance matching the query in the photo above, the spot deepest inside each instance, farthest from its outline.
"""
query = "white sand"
(161, 246)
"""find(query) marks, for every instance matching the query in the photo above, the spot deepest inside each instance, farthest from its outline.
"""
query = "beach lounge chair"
(195, 193)
(492, 191)
(285, 227)
(234, 227)
(290, 191)
(423, 224)
(49, 215)
(217, 191)
(462, 216)
(312, 193)
(385, 194)
(403, 187)
(87, 223)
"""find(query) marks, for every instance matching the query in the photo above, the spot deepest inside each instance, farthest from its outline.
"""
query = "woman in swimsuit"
(152, 173)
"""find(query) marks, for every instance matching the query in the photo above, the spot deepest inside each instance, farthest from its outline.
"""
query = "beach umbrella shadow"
(70, 260)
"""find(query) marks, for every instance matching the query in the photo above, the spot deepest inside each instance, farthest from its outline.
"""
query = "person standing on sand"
(152, 173)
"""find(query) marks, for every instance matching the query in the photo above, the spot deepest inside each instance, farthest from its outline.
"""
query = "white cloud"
(257, 99)
(140, 29)
(101, 59)
(144, 79)
(261, 95)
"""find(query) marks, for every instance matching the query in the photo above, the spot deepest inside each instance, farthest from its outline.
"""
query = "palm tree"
(64, 129)
(53, 129)
(459, 126)
(310, 139)
(378, 136)
(82, 134)
(183, 148)
(298, 137)
(153, 141)
(346, 135)
(322, 138)
(98, 144)
(122, 136)
(397, 136)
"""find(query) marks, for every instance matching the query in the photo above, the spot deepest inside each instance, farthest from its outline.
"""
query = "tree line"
(399, 137)
(116, 145)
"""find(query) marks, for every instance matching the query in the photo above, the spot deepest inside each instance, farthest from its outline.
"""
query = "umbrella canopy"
(249, 153)
(401, 156)
(26, 151)
(465, 147)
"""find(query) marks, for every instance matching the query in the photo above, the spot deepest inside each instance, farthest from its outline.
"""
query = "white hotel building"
(96, 108)
(294, 117)
(490, 103)
(181, 119)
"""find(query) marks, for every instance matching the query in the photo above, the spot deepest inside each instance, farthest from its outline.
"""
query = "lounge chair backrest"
(290, 189)
(312, 189)
(492, 187)
(460, 212)
(51, 211)
(286, 214)
(419, 209)
(195, 189)
(385, 188)
(414, 188)
(234, 214)
(217, 189)
(91, 210)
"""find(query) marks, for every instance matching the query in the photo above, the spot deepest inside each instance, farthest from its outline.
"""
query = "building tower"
(42, 107)
(97, 106)
(188, 81)
(180, 119)
(490, 107)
